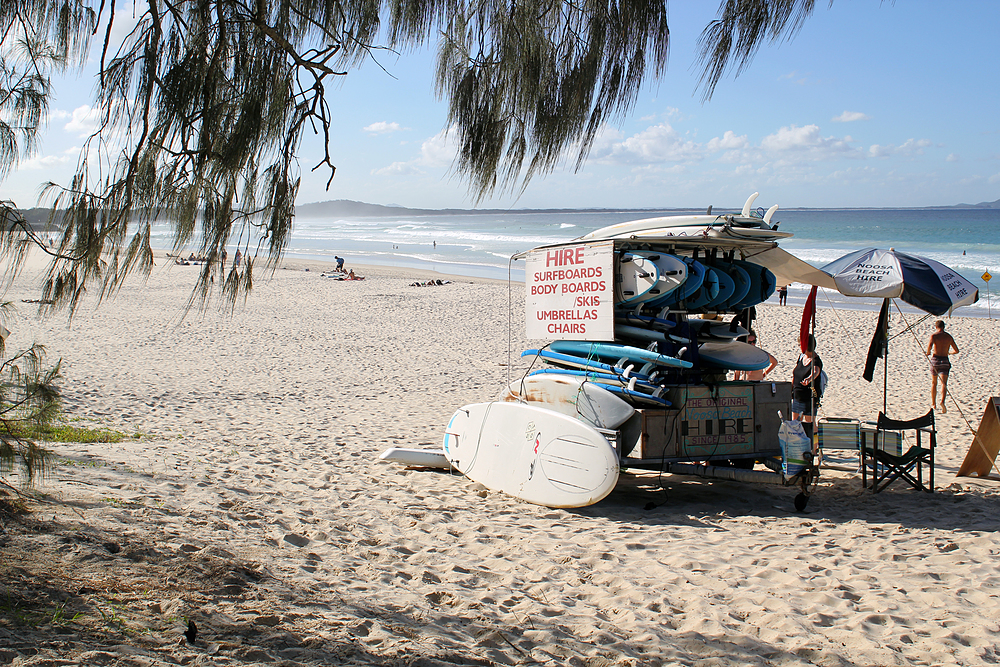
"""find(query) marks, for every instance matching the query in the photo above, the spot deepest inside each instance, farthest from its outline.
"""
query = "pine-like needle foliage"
(29, 399)
(205, 104)
(36, 39)
(739, 31)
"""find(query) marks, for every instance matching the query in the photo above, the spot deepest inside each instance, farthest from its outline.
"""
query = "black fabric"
(886, 424)
(878, 343)
(801, 371)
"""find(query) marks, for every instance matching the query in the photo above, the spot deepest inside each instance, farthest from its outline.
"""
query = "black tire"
(801, 501)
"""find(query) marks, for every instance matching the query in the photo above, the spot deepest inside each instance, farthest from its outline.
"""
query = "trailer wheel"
(800, 502)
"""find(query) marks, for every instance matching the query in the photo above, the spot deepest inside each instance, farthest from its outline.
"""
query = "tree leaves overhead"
(529, 80)
(35, 39)
(739, 31)
(204, 106)
(206, 102)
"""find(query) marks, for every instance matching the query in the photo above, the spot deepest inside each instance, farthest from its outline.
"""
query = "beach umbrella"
(921, 282)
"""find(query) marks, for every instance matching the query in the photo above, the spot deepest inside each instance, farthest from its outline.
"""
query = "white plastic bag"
(794, 445)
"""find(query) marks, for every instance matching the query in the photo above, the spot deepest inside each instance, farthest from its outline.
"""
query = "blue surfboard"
(727, 287)
(695, 277)
(709, 291)
(572, 361)
(635, 397)
(597, 376)
(734, 355)
(742, 280)
(586, 349)
(641, 394)
(762, 285)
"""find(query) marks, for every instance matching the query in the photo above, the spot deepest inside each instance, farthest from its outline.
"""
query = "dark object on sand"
(191, 634)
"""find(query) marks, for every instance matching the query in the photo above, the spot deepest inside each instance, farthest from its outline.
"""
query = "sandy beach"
(254, 503)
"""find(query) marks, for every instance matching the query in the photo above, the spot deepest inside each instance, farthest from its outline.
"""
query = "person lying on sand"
(430, 283)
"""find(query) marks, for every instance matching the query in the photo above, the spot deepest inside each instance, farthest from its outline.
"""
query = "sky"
(871, 104)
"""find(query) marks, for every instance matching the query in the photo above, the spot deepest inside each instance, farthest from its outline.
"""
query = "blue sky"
(871, 104)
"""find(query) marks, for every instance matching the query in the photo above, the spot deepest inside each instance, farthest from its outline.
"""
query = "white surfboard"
(720, 230)
(427, 458)
(573, 396)
(665, 223)
(645, 276)
(636, 276)
(531, 453)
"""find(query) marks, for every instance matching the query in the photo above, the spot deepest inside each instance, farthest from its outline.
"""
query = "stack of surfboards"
(653, 281)
(549, 437)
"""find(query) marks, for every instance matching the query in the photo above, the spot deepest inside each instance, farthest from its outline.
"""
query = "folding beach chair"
(887, 467)
(839, 439)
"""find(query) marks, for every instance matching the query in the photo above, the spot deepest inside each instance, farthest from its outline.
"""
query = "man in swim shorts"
(939, 347)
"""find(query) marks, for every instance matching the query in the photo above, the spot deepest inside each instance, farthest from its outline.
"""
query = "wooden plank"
(985, 444)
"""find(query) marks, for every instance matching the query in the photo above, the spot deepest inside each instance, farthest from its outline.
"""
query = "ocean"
(481, 243)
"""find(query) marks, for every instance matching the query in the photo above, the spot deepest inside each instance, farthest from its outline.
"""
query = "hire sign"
(570, 292)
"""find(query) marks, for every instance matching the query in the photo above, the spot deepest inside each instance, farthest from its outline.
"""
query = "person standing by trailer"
(758, 375)
(806, 390)
(939, 347)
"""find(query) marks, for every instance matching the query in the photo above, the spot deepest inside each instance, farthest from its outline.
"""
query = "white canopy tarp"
(787, 268)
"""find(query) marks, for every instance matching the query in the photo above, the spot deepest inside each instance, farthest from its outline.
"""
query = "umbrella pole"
(885, 378)
(885, 371)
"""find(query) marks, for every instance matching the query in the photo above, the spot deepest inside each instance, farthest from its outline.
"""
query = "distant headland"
(346, 208)
(38, 218)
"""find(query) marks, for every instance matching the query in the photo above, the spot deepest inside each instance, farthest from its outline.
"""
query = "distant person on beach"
(939, 347)
(783, 295)
(340, 263)
(758, 375)
(236, 259)
(224, 255)
(805, 386)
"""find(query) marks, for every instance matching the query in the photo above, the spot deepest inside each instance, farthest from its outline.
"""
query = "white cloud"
(398, 169)
(85, 121)
(382, 127)
(59, 114)
(807, 141)
(850, 117)
(655, 144)
(908, 147)
(44, 162)
(796, 78)
(436, 152)
(952, 157)
(995, 178)
(440, 150)
(729, 141)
